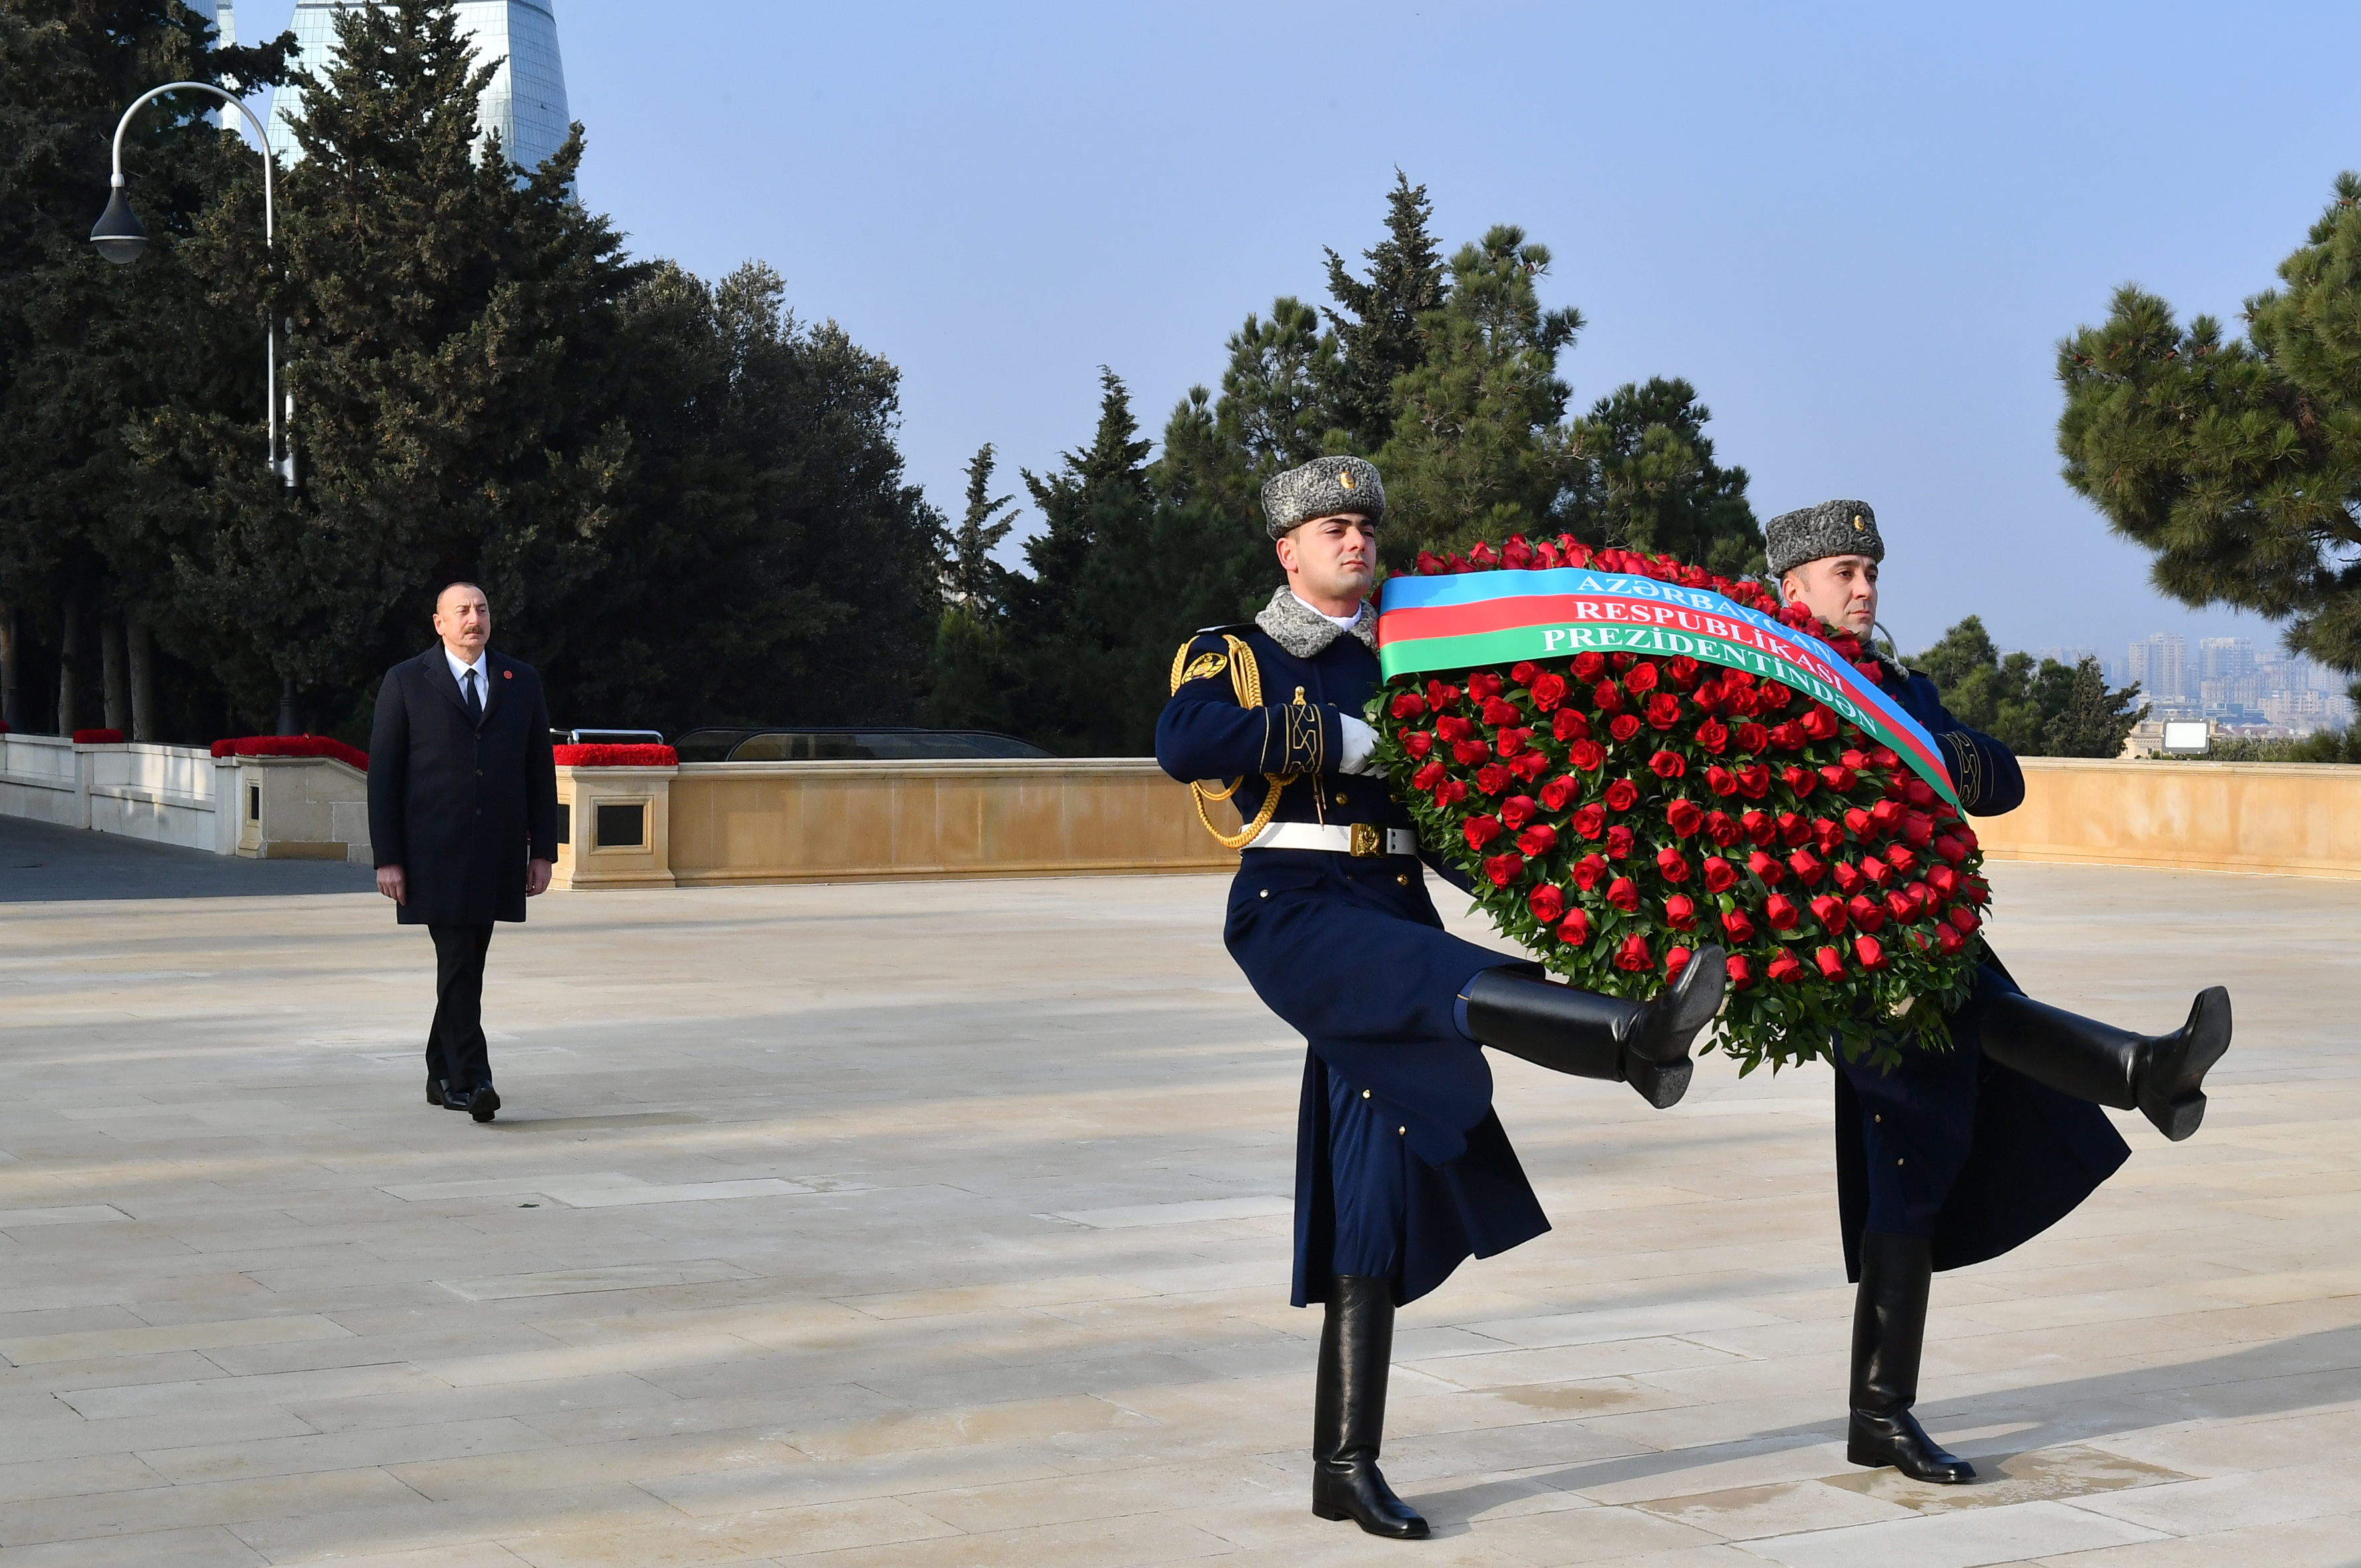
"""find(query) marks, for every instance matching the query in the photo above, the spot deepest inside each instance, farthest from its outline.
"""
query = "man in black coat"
(463, 817)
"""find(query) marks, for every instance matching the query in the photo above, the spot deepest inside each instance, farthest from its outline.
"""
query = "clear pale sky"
(1858, 230)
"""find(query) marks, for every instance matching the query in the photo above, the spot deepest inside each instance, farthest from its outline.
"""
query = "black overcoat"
(1952, 1145)
(1352, 954)
(461, 809)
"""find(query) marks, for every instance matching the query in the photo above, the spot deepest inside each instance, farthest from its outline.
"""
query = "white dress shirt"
(480, 669)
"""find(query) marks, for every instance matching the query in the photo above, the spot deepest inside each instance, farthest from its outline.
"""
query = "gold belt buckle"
(1368, 842)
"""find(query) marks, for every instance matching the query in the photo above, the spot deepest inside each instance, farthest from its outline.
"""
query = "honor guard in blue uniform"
(1957, 1155)
(1402, 1168)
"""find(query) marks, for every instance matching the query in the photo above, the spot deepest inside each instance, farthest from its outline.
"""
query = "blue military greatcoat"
(1402, 1169)
(1949, 1145)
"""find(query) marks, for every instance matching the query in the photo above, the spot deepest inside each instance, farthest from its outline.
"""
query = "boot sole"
(1694, 1000)
(1871, 1459)
(2179, 1110)
(1662, 1084)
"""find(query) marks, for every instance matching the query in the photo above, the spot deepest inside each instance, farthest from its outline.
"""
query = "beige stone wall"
(830, 821)
(2299, 819)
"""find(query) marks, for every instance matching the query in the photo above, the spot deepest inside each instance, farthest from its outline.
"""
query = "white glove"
(1360, 745)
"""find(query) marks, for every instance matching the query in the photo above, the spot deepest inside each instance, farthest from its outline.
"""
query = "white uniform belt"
(1359, 839)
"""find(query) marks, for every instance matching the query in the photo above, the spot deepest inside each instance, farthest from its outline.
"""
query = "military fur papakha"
(1303, 631)
(1322, 487)
(1831, 528)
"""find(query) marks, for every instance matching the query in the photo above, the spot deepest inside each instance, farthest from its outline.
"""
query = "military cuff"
(1299, 738)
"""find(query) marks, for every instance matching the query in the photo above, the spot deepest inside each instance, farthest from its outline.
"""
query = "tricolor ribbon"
(1470, 621)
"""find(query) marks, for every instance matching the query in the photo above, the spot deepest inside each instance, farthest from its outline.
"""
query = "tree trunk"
(12, 707)
(114, 678)
(140, 647)
(69, 663)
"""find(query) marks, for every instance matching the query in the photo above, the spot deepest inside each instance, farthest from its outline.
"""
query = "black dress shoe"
(1898, 1440)
(483, 1102)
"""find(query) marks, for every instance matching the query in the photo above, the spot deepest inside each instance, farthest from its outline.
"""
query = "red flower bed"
(293, 746)
(640, 756)
(1618, 810)
(98, 737)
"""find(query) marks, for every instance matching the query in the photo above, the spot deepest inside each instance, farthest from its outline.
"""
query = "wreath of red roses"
(1617, 810)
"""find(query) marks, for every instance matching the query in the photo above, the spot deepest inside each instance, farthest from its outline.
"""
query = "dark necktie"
(475, 703)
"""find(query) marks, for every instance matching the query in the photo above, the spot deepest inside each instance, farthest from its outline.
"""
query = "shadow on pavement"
(42, 864)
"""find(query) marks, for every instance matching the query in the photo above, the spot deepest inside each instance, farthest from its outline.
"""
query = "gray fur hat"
(1322, 487)
(1831, 528)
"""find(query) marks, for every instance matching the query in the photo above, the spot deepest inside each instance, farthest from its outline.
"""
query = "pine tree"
(973, 582)
(1380, 321)
(2238, 463)
(1648, 481)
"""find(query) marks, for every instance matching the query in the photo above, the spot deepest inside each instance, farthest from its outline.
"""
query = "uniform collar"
(1303, 631)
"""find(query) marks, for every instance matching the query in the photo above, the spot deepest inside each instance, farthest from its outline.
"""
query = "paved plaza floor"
(941, 1223)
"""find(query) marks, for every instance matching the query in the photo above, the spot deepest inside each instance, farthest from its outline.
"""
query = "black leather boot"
(1889, 1329)
(1348, 1421)
(1643, 1044)
(2160, 1076)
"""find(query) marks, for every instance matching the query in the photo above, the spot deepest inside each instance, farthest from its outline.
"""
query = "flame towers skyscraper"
(526, 102)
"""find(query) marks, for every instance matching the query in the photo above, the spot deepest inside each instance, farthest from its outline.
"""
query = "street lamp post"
(120, 237)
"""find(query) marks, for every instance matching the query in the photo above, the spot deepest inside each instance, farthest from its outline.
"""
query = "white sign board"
(2185, 736)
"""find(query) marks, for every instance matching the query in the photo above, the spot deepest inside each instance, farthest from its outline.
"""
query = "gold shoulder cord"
(1246, 679)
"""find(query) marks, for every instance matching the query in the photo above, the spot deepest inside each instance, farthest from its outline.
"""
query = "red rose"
(1619, 842)
(1866, 912)
(1886, 814)
(1785, 968)
(1918, 828)
(1504, 869)
(1587, 666)
(1901, 859)
(1827, 834)
(1511, 739)
(1856, 821)
(1876, 870)
(1546, 903)
(1787, 736)
(1408, 705)
(1440, 696)
(1606, 696)
(1753, 780)
(1802, 781)
(1883, 758)
(1773, 694)
(1867, 950)
(1483, 686)
(1587, 755)
(1523, 670)
(1829, 912)
(1685, 816)
(1538, 839)
(1742, 973)
(1948, 941)
(1942, 879)
(1782, 913)
(1767, 867)
(1568, 724)
(1590, 821)
(1963, 833)
(1919, 792)
(1964, 920)
(1831, 963)
(1900, 907)
(1663, 709)
(1622, 726)
(1846, 877)
(1670, 862)
(1854, 759)
(1622, 796)
(1739, 925)
(1623, 893)
(1838, 779)
(1453, 729)
(1418, 743)
(1497, 712)
(1921, 897)
(1633, 955)
(1548, 691)
(1759, 829)
(1529, 765)
(1492, 778)
(1682, 669)
(1720, 876)
(1819, 723)
(1680, 912)
(1752, 736)
(1668, 765)
(1518, 810)
(1950, 849)
(1722, 829)
(1676, 960)
(1642, 678)
(1449, 791)
(1793, 831)
(1480, 830)
(1576, 932)
(1427, 777)
(1806, 867)
(1558, 791)
(1720, 780)
(1712, 735)
(1471, 754)
(1588, 870)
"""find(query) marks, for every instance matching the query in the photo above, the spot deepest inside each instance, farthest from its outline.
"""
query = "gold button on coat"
(1364, 1095)
(1403, 879)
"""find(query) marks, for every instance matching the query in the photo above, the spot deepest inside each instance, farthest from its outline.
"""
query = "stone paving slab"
(947, 1223)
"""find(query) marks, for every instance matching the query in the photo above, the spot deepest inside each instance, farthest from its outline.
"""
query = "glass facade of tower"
(526, 102)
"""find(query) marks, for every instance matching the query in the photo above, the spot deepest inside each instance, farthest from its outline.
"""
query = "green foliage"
(1649, 482)
(2327, 746)
(973, 582)
(1380, 320)
(2050, 709)
(2238, 463)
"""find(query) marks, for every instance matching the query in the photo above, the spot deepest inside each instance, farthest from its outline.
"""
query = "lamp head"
(118, 234)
